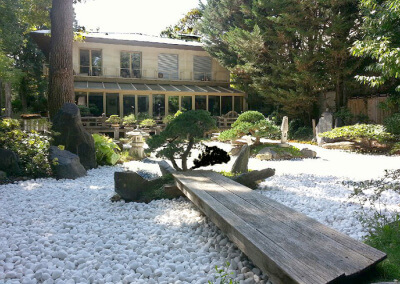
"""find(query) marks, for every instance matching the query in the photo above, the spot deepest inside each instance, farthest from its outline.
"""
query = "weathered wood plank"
(306, 245)
(281, 266)
(277, 232)
(289, 246)
(359, 255)
(299, 220)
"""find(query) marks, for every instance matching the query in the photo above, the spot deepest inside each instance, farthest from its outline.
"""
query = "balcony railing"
(152, 74)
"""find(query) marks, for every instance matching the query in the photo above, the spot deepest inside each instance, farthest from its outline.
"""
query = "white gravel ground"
(69, 232)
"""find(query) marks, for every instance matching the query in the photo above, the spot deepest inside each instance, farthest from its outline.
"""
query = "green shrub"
(392, 124)
(106, 150)
(345, 115)
(129, 119)
(114, 119)
(31, 148)
(395, 148)
(303, 133)
(84, 110)
(149, 122)
(384, 226)
(143, 116)
(252, 122)
(358, 131)
(170, 117)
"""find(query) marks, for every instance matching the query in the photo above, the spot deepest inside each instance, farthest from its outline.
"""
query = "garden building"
(130, 73)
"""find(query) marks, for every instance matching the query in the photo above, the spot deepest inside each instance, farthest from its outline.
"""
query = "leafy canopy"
(178, 138)
(380, 42)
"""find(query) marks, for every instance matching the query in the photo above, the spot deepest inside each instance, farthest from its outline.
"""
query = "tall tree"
(185, 26)
(20, 58)
(288, 51)
(61, 79)
(380, 42)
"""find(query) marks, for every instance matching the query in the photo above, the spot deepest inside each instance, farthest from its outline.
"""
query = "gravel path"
(69, 232)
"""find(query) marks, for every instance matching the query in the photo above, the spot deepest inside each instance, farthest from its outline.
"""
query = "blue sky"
(133, 16)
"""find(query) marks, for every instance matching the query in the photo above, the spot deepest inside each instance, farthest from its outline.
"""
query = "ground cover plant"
(107, 152)
(252, 122)
(292, 150)
(31, 148)
(384, 225)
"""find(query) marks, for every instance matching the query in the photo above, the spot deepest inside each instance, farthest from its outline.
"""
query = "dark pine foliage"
(211, 156)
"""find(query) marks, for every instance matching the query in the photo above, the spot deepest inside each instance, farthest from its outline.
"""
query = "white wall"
(111, 60)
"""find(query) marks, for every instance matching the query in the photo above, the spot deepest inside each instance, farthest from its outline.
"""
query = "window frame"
(130, 63)
(90, 73)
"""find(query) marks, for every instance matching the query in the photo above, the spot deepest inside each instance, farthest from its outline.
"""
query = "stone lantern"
(137, 143)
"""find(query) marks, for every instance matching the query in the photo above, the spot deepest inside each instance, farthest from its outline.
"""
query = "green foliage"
(156, 192)
(143, 116)
(392, 124)
(170, 117)
(357, 131)
(106, 150)
(31, 148)
(124, 157)
(380, 42)
(395, 149)
(129, 119)
(149, 122)
(345, 115)
(84, 110)
(178, 138)
(387, 239)
(252, 122)
(222, 276)
(292, 150)
(114, 119)
(384, 226)
(186, 25)
(298, 131)
(272, 52)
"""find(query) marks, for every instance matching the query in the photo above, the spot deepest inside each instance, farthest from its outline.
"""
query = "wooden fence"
(369, 107)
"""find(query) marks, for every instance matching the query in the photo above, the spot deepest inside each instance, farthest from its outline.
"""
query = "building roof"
(113, 86)
(42, 38)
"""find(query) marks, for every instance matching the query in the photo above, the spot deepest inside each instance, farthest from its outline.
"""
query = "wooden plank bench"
(286, 245)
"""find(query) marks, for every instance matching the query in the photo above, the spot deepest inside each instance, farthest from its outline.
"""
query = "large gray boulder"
(253, 178)
(67, 122)
(307, 153)
(9, 162)
(242, 161)
(67, 164)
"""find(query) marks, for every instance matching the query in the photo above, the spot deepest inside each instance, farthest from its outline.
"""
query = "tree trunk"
(61, 79)
(186, 154)
(1, 97)
(7, 92)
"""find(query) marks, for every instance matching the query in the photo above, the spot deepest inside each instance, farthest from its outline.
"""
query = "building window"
(238, 104)
(202, 66)
(186, 103)
(129, 104)
(158, 105)
(131, 65)
(214, 104)
(173, 104)
(112, 104)
(226, 104)
(201, 102)
(143, 105)
(96, 104)
(168, 66)
(90, 62)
